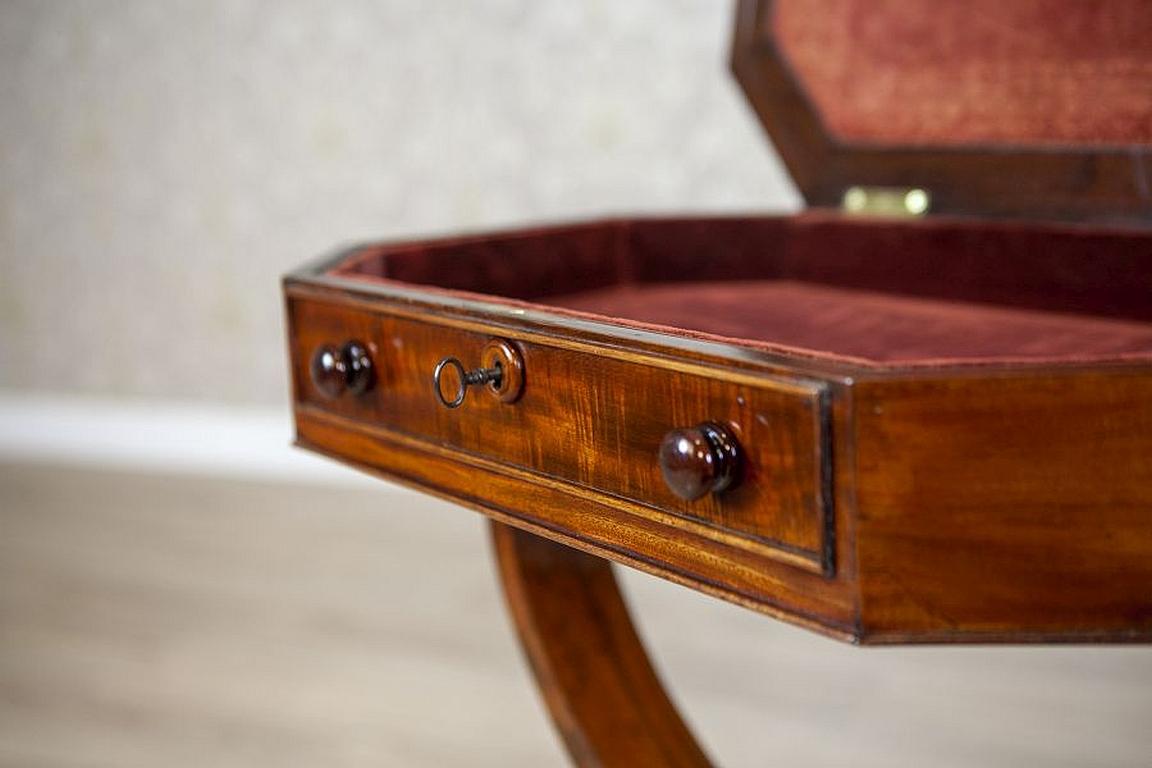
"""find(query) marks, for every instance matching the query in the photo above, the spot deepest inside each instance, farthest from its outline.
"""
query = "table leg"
(591, 667)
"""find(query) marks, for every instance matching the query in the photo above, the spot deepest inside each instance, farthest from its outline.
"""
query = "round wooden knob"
(700, 460)
(349, 368)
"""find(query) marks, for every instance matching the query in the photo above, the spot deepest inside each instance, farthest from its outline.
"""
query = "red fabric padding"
(862, 324)
(932, 292)
(962, 72)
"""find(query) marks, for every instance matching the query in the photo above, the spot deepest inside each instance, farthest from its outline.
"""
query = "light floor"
(165, 621)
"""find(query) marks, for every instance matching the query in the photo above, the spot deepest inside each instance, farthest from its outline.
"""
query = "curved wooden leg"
(589, 663)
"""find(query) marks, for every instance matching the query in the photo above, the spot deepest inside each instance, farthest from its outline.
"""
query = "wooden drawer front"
(594, 418)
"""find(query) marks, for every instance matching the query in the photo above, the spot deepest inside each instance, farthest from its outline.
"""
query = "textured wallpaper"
(161, 164)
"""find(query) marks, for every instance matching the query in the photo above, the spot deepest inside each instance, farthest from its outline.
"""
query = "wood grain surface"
(591, 667)
(1006, 507)
(595, 418)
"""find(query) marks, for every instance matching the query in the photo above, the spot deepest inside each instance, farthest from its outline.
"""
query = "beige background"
(162, 163)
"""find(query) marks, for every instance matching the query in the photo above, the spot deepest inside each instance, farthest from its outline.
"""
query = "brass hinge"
(903, 202)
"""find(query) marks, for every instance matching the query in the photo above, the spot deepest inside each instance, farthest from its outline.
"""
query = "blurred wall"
(161, 164)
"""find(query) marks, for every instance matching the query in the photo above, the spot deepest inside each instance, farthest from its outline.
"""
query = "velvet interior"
(863, 324)
(923, 293)
(953, 72)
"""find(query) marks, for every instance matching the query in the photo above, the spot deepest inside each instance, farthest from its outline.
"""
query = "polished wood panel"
(596, 418)
(606, 700)
(1006, 506)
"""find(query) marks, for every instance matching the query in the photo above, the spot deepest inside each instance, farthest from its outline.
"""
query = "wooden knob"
(349, 368)
(700, 460)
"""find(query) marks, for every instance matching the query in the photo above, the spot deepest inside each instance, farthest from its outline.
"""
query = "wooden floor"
(162, 621)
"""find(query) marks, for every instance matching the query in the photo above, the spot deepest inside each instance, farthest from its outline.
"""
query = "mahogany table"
(887, 419)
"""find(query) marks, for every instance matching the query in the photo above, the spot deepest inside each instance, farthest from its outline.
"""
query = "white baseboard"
(162, 437)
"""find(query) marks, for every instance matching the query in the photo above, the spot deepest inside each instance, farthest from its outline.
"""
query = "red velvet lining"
(923, 293)
(956, 72)
(861, 324)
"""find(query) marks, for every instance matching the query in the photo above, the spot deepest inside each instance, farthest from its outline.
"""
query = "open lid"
(1038, 108)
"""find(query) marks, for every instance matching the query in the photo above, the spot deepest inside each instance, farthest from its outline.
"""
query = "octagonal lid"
(1036, 108)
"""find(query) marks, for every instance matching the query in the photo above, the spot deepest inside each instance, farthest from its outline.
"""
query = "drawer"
(592, 418)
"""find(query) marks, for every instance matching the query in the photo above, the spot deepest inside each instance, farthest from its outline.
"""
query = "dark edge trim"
(827, 500)
(1001, 638)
